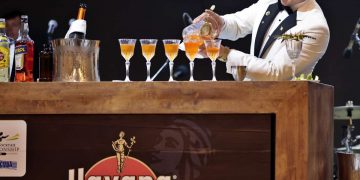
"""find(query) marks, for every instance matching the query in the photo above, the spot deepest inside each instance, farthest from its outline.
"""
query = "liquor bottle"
(46, 63)
(24, 54)
(4, 53)
(78, 27)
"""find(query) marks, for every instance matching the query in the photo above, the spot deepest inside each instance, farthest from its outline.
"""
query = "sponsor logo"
(6, 145)
(2, 136)
(8, 165)
(121, 166)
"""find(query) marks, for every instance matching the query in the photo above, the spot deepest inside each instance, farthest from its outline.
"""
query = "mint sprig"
(297, 36)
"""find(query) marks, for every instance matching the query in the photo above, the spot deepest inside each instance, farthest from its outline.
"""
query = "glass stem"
(171, 65)
(191, 71)
(213, 64)
(293, 69)
(127, 65)
(148, 65)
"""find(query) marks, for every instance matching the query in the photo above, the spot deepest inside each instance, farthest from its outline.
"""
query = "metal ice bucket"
(76, 60)
(348, 165)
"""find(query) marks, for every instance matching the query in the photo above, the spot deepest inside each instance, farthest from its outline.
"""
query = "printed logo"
(20, 50)
(120, 167)
(2, 136)
(6, 144)
(8, 165)
(119, 147)
(13, 138)
(12, 148)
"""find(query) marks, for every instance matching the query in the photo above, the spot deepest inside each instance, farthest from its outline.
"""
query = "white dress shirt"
(275, 64)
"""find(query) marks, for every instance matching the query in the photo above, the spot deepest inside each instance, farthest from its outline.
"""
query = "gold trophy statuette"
(119, 147)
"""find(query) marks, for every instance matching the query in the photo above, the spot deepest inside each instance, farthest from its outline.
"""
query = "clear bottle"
(24, 54)
(79, 33)
(4, 53)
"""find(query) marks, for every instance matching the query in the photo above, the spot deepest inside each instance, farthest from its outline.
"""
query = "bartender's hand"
(210, 16)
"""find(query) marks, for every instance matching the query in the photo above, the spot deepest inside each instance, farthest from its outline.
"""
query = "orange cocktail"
(192, 48)
(148, 47)
(127, 51)
(171, 51)
(148, 51)
(127, 47)
(213, 52)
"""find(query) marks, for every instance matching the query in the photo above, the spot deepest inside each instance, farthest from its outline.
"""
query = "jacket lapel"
(287, 24)
(265, 23)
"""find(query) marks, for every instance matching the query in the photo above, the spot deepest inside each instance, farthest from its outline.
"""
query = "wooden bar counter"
(200, 130)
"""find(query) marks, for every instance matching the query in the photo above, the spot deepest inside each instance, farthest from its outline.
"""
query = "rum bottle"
(46, 63)
(24, 54)
(4, 53)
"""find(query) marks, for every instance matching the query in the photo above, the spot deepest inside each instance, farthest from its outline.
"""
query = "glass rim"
(127, 39)
(148, 41)
(213, 40)
(193, 40)
(171, 40)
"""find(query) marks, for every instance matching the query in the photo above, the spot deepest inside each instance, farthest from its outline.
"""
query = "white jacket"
(275, 63)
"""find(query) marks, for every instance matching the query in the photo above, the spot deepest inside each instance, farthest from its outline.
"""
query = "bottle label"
(4, 74)
(4, 64)
(4, 57)
(20, 52)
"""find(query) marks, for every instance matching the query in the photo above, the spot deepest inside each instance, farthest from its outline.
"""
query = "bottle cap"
(83, 5)
(24, 18)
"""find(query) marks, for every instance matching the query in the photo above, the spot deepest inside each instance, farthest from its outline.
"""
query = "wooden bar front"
(256, 130)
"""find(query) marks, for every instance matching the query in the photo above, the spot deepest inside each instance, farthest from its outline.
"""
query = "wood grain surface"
(303, 111)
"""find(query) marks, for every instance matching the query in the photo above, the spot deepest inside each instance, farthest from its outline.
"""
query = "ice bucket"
(76, 60)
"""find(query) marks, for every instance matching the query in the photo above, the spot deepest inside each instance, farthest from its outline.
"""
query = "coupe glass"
(213, 51)
(148, 47)
(127, 47)
(192, 46)
(171, 51)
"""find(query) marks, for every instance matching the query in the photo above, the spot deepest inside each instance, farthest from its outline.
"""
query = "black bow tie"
(286, 8)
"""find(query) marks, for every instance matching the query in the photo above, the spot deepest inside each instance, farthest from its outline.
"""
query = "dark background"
(110, 20)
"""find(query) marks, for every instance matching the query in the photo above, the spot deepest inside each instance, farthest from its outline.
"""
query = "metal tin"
(76, 60)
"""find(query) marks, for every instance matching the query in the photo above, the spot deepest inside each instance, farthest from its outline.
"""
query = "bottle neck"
(2, 28)
(81, 13)
(24, 30)
(2, 31)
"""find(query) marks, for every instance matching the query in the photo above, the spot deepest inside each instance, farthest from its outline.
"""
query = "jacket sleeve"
(240, 24)
(278, 67)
